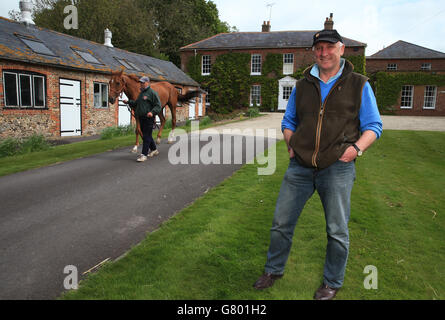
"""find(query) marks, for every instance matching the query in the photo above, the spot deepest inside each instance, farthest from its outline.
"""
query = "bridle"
(120, 91)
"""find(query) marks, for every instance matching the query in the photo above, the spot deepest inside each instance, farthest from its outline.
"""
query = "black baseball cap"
(327, 35)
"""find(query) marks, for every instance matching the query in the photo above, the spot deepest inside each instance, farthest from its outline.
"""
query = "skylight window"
(88, 57)
(135, 67)
(38, 47)
(129, 65)
(155, 69)
(124, 63)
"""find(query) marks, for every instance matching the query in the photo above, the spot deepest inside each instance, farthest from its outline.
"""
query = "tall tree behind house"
(151, 27)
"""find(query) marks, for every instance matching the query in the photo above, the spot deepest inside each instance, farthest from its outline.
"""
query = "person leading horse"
(146, 107)
(168, 95)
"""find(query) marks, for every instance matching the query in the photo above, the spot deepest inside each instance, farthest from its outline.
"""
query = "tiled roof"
(405, 50)
(32, 44)
(263, 40)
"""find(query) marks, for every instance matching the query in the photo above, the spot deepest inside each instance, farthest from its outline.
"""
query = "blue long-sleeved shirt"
(369, 115)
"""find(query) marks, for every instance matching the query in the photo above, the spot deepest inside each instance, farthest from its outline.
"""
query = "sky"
(378, 23)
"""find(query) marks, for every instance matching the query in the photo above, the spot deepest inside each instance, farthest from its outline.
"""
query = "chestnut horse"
(168, 94)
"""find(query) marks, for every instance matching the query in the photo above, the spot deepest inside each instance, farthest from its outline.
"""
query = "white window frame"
(255, 64)
(430, 94)
(207, 90)
(407, 89)
(255, 92)
(30, 90)
(17, 88)
(287, 91)
(205, 65)
(34, 92)
(31, 78)
(95, 101)
(426, 66)
(391, 67)
(288, 63)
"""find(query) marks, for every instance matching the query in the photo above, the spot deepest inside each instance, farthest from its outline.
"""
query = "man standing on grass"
(331, 118)
(146, 106)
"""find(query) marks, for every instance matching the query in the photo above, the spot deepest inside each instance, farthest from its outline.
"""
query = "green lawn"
(216, 247)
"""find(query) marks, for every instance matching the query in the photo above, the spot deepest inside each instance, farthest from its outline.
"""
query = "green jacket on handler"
(147, 101)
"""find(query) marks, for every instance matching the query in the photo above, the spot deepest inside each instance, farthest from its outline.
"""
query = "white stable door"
(201, 105)
(124, 117)
(70, 110)
(192, 106)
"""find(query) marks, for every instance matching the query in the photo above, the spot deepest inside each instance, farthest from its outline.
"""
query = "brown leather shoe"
(325, 293)
(266, 280)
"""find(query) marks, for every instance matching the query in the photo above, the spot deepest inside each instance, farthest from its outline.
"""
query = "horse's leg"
(171, 136)
(162, 118)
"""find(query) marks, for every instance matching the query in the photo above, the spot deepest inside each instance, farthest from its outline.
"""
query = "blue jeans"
(334, 185)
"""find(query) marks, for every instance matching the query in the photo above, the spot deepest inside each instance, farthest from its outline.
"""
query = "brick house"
(423, 91)
(294, 46)
(57, 85)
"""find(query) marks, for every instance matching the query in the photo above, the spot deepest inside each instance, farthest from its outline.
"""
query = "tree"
(122, 17)
(14, 15)
(151, 27)
(181, 22)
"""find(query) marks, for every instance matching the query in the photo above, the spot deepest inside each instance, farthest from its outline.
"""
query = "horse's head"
(117, 85)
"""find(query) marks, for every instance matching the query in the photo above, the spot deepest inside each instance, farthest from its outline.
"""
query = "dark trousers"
(147, 131)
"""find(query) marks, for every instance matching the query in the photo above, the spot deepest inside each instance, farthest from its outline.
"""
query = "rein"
(127, 105)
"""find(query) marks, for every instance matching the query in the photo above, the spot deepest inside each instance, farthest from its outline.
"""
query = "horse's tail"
(189, 95)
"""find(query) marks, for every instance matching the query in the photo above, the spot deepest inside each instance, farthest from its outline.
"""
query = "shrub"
(14, 146)
(202, 121)
(253, 112)
(205, 121)
(34, 143)
(9, 147)
(119, 131)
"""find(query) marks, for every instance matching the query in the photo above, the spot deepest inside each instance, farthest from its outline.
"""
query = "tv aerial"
(270, 5)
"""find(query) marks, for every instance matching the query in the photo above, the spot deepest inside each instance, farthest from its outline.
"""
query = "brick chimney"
(265, 26)
(329, 23)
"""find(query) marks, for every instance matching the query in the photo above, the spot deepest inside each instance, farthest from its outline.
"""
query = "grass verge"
(216, 247)
(57, 154)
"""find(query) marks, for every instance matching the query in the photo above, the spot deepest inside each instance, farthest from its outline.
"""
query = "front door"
(70, 110)
(285, 89)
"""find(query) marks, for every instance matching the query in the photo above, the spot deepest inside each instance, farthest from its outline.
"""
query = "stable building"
(57, 85)
(422, 91)
(295, 47)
